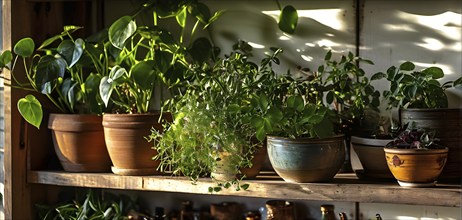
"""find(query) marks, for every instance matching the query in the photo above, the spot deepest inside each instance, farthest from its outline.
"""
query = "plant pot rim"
(373, 142)
(415, 151)
(430, 109)
(304, 138)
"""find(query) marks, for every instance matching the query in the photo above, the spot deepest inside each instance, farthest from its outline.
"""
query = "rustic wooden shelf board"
(344, 187)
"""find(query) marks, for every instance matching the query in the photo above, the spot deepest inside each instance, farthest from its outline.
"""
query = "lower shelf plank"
(344, 187)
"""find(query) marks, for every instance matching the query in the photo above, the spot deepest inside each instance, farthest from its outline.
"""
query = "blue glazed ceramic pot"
(306, 160)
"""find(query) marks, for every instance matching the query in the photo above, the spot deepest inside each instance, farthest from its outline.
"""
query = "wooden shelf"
(344, 187)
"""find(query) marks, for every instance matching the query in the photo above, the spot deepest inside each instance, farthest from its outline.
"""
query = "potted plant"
(146, 58)
(301, 141)
(61, 69)
(211, 133)
(415, 158)
(421, 98)
(371, 136)
(349, 92)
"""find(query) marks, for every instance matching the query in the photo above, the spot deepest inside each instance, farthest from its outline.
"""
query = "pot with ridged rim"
(305, 160)
(130, 151)
(79, 142)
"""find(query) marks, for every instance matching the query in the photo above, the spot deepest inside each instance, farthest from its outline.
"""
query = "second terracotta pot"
(127, 144)
(79, 142)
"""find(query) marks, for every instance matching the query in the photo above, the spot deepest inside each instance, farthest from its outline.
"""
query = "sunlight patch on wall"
(332, 18)
(448, 23)
(431, 44)
(399, 27)
(307, 58)
(256, 46)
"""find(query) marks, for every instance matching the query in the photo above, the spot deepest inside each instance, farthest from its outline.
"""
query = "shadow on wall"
(321, 27)
(425, 32)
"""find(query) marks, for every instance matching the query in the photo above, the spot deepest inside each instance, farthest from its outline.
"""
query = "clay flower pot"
(372, 157)
(79, 142)
(305, 160)
(130, 151)
(416, 167)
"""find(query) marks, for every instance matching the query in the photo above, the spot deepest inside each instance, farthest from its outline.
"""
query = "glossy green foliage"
(411, 88)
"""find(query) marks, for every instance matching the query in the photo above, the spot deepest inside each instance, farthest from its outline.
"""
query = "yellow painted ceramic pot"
(416, 167)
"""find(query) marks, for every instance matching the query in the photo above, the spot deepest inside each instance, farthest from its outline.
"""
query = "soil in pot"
(79, 142)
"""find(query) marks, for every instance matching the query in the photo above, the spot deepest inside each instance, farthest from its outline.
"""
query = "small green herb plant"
(212, 121)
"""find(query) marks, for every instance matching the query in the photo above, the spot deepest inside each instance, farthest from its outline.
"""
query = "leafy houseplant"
(212, 132)
(410, 88)
(93, 205)
(63, 70)
(415, 158)
(421, 98)
(145, 58)
(63, 74)
(292, 113)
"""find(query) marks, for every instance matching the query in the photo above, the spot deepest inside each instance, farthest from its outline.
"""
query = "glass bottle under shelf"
(327, 212)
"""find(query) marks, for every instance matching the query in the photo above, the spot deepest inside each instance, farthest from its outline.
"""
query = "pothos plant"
(212, 122)
(411, 88)
(149, 56)
(65, 74)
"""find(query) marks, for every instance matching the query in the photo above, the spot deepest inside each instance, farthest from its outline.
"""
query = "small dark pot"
(305, 160)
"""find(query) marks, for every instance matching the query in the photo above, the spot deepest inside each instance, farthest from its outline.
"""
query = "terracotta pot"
(447, 124)
(306, 160)
(416, 167)
(130, 151)
(372, 157)
(79, 142)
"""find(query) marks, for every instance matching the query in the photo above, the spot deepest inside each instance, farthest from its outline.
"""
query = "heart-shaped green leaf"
(24, 47)
(31, 110)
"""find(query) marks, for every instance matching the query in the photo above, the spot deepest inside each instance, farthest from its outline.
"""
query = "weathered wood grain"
(343, 188)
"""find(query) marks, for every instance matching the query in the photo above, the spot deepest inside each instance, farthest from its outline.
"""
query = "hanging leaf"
(24, 47)
(288, 19)
(31, 110)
